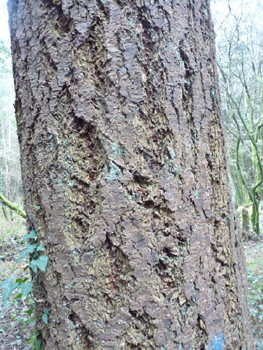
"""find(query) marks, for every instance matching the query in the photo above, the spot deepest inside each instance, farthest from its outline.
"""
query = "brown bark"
(123, 150)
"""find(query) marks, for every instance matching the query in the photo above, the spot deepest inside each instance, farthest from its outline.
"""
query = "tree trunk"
(122, 149)
(245, 222)
(4, 212)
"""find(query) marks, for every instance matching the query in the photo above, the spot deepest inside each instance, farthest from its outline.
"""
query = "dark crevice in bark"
(120, 3)
(63, 24)
(142, 323)
(86, 337)
(207, 30)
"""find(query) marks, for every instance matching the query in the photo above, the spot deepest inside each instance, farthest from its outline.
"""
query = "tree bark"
(122, 148)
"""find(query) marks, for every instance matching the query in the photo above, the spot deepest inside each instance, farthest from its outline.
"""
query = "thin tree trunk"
(5, 157)
(4, 212)
(122, 149)
(245, 222)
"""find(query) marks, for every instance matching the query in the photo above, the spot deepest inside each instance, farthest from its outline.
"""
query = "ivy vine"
(38, 262)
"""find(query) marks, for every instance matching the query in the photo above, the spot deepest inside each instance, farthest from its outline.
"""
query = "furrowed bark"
(122, 148)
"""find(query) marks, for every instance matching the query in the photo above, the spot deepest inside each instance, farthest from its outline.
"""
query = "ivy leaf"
(40, 263)
(19, 280)
(33, 265)
(29, 311)
(40, 247)
(32, 234)
(45, 316)
(29, 250)
(6, 282)
(19, 296)
(8, 291)
(21, 256)
(43, 262)
(30, 247)
(25, 288)
(38, 344)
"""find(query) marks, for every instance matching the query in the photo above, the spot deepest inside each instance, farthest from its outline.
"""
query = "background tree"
(122, 152)
(10, 174)
(240, 53)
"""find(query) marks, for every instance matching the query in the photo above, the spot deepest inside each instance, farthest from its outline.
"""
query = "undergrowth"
(16, 326)
(254, 258)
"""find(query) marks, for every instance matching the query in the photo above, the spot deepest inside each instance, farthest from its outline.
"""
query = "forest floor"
(254, 261)
(17, 327)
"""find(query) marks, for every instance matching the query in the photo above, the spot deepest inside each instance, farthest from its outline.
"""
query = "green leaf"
(40, 247)
(19, 280)
(45, 318)
(21, 256)
(37, 207)
(7, 282)
(40, 263)
(43, 262)
(25, 288)
(33, 265)
(30, 247)
(8, 291)
(19, 296)
(29, 250)
(32, 234)
(29, 311)
(38, 344)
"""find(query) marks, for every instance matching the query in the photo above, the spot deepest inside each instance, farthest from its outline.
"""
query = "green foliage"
(36, 344)
(45, 316)
(36, 262)
(40, 247)
(9, 286)
(30, 248)
(32, 234)
(25, 288)
(8, 289)
(40, 263)
(29, 311)
(16, 325)
(21, 305)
